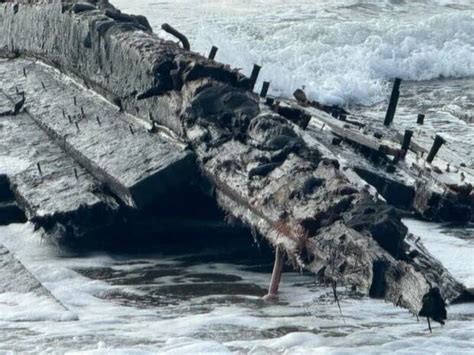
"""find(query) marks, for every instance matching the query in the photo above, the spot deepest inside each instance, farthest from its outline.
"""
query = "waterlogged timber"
(263, 165)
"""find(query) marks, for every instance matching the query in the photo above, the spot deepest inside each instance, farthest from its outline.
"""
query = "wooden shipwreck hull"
(262, 163)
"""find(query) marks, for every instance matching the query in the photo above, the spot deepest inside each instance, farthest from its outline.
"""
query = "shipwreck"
(119, 134)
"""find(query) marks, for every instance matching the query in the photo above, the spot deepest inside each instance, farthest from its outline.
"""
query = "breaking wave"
(348, 61)
(342, 51)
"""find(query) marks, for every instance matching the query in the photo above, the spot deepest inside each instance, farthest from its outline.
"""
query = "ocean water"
(344, 52)
(210, 302)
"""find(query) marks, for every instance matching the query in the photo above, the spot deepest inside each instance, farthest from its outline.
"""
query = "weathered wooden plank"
(53, 196)
(136, 165)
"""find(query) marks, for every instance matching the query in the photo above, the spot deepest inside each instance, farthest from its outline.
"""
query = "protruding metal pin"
(75, 101)
(76, 174)
(438, 142)
(69, 118)
(322, 127)
(98, 120)
(39, 168)
(421, 119)
(392, 107)
(82, 111)
(44, 87)
(213, 52)
(77, 126)
(24, 72)
(265, 87)
(64, 114)
(131, 129)
(137, 109)
(254, 76)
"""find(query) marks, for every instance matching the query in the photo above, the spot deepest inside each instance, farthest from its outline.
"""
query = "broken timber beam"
(262, 170)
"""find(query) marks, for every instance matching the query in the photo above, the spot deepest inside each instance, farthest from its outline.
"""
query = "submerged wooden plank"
(24, 290)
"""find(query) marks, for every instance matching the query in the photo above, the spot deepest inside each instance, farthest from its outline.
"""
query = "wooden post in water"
(420, 119)
(254, 76)
(276, 274)
(392, 107)
(438, 142)
(213, 52)
(265, 87)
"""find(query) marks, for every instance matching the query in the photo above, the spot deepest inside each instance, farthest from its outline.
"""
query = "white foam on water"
(308, 320)
(455, 253)
(29, 307)
(343, 52)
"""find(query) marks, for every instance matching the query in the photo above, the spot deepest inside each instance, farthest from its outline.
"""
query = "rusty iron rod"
(407, 139)
(438, 142)
(265, 87)
(254, 76)
(213, 52)
(392, 107)
(421, 119)
(173, 31)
